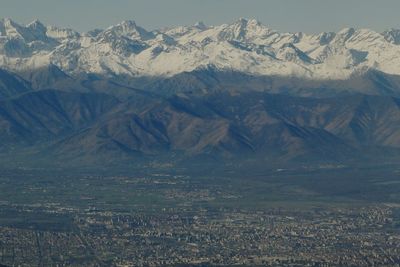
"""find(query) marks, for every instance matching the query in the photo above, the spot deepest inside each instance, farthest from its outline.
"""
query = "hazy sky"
(284, 15)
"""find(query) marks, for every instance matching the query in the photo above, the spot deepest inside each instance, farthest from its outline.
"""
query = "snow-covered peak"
(289, 52)
(10, 28)
(8, 23)
(180, 31)
(248, 30)
(61, 33)
(325, 37)
(36, 25)
(392, 36)
(38, 30)
(343, 35)
(128, 29)
(200, 25)
(245, 22)
(245, 45)
(34, 31)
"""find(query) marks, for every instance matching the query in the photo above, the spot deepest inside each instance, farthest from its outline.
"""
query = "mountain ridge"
(279, 129)
(244, 45)
(238, 91)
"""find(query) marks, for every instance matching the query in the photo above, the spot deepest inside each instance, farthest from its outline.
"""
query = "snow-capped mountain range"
(245, 45)
(235, 91)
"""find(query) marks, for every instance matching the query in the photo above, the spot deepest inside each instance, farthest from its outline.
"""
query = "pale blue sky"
(284, 15)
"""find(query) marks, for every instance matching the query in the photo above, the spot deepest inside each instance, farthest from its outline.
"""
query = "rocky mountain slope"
(234, 91)
(270, 128)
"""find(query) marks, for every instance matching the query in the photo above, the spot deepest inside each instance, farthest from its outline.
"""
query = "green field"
(152, 190)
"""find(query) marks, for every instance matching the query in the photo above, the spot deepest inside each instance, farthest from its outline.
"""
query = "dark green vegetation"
(151, 190)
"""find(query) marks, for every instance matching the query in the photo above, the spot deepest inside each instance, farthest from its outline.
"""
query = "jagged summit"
(9, 28)
(36, 24)
(200, 25)
(245, 45)
(247, 21)
(243, 22)
(129, 29)
(244, 30)
(392, 35)
(8, 21)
